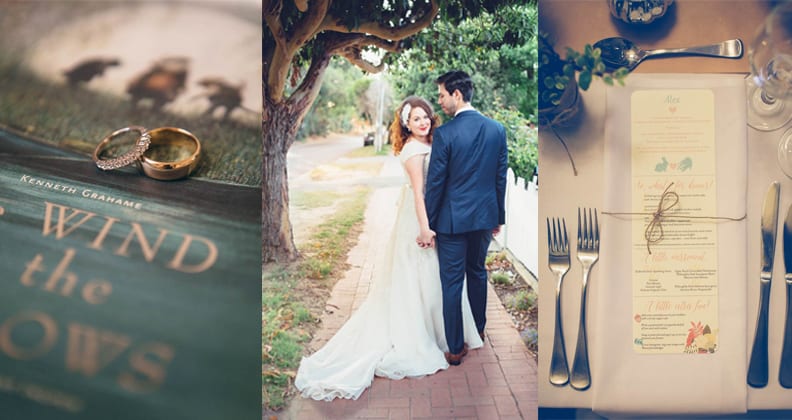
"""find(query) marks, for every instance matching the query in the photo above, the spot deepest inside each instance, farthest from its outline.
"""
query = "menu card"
(674, 258)
(682, 134)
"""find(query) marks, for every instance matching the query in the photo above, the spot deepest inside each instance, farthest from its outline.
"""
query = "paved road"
(304, 156)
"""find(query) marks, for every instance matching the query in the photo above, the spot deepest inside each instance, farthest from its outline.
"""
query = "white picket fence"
(520, 235)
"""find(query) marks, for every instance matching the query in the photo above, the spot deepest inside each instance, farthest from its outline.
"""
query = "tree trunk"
(278, 132)
(281, 121)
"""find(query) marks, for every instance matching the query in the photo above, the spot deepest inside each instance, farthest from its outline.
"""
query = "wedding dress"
(398, 330)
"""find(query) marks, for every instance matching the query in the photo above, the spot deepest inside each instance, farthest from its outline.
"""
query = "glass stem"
(766, 98)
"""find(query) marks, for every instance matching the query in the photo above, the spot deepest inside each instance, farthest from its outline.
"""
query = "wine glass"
(770, 83)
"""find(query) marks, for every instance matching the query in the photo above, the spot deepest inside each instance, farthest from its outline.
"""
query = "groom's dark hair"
(457, 80)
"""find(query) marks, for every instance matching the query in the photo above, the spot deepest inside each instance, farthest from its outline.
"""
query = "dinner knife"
(785, 372)
(757, 367)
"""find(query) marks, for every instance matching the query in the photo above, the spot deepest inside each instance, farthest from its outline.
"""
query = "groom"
(465, 190)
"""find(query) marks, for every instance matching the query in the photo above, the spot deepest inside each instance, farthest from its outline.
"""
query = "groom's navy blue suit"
(465, 192)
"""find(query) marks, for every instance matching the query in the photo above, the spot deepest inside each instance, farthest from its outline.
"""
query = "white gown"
(398, 330)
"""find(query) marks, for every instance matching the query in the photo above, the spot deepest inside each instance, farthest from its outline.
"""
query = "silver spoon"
(621, 52)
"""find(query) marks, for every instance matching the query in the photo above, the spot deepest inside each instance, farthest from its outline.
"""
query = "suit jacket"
(466, 180)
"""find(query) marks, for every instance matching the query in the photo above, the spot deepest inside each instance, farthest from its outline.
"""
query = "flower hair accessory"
(405, 114)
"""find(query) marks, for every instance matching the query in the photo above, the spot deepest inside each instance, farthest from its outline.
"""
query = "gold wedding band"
(128, 157)
(171, 170)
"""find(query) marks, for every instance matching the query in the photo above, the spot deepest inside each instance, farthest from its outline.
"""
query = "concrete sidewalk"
(497, 381)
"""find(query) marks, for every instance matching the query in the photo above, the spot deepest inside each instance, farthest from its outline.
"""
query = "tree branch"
(350, 46)
(287, 45)
(302, 5)
(303, 97)
(278, 72)
(307, 27)
(276, 57)
(331, 38)
(335, 42)
(381, 30)
(271, 11)
(353, 56)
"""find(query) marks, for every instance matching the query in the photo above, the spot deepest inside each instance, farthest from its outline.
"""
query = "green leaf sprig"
(583, 67)
(589, 64)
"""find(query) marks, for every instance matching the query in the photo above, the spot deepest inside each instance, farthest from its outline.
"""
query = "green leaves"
(584, 80)
(569, 70)
(340, 100)
(497, 49)
(502, 72)
(582, 66)
(521, 141)
(620, 74)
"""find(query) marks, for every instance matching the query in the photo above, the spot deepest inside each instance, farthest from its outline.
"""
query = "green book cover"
(122, 296)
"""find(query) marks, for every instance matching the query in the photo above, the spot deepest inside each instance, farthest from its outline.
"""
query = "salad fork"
(587, 254)
(558, 260)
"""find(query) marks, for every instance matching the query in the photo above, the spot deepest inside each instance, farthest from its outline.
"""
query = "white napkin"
(628, 383)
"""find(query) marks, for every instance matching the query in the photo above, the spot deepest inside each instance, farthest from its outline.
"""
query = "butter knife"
(785, 373)
(757, 367)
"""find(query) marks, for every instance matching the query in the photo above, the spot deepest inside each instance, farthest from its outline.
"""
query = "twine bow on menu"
(668, 200)
(161, 137)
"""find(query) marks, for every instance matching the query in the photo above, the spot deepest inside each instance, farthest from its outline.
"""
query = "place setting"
(671, 307)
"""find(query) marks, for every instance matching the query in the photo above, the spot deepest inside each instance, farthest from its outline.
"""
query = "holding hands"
(426, 239)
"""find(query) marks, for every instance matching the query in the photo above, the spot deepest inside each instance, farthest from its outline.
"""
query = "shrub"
(521, 139)
(500, 278)
(494, 256)
(523, 300)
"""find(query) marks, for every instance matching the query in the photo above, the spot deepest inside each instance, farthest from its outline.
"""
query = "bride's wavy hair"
(398, 129)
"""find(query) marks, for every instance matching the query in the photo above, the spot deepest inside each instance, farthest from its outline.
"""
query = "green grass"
(287, 320)
(325, 252)
(368, 151)
(286, 350)
(78, 118)
(314, 199)
(523, 300)
(282, 335)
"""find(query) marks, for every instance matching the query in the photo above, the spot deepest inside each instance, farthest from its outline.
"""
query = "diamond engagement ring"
(127, 158)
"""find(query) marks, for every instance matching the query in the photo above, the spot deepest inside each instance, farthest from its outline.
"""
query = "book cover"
(122, 296)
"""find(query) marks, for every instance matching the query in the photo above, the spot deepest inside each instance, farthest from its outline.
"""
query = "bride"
(398, 330)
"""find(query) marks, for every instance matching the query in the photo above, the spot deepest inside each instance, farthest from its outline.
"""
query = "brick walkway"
(497, 381)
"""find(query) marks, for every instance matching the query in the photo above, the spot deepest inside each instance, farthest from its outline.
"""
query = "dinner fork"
(587, 254)
(558, 260)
